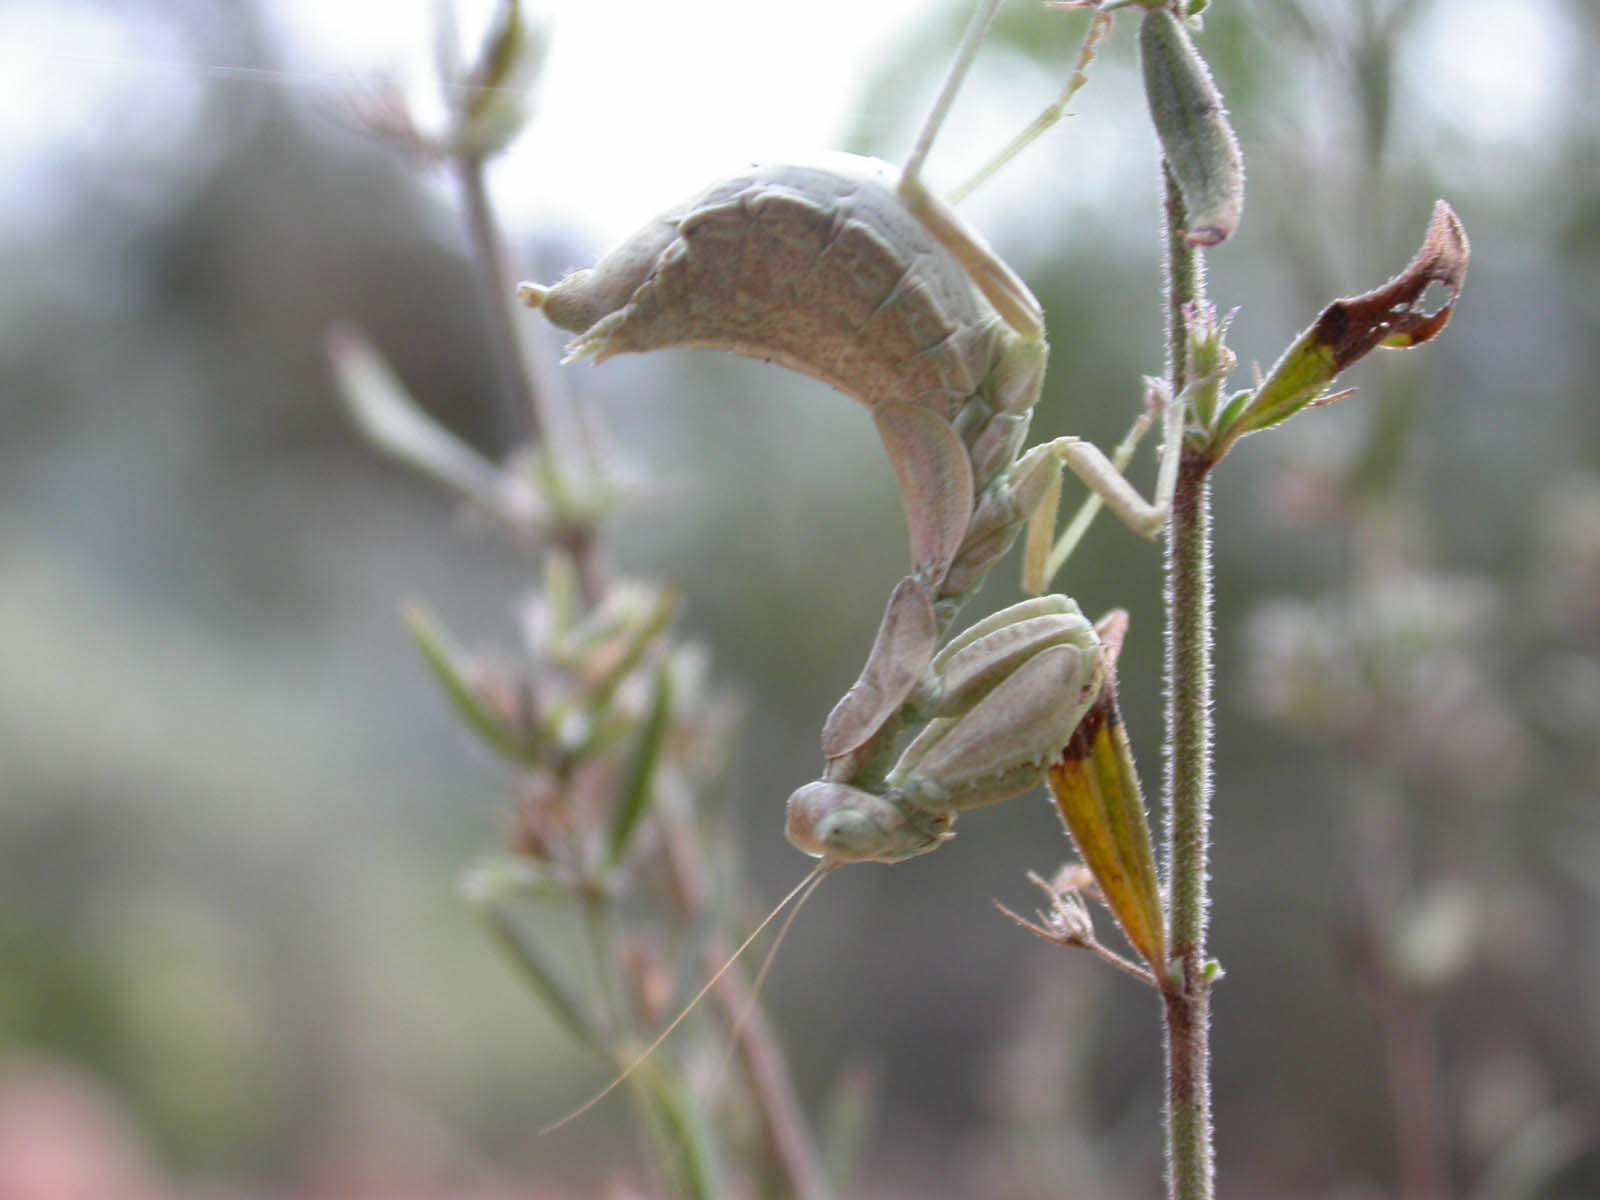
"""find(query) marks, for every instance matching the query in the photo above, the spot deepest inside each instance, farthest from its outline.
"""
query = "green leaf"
(1350, 329)
(638, 790)
(519, 747)
(506, 876)
(688, 1151)
(387, 415)
(637, 639)
(561, 594)
(536, 968)
(1230, 417)
(1096, 788)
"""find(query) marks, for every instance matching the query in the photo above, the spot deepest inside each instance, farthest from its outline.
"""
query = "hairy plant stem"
(1188, 778)
(1186, 281)
(1189, 668)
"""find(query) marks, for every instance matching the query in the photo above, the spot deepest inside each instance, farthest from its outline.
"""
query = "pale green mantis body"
(848, 270)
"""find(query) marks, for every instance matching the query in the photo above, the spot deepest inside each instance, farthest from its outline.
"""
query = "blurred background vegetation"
(233, 806)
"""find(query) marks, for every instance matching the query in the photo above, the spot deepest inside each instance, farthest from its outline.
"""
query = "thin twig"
(1409, 1053)
(1405, 1028)
(529, 378)
(494, 287)
(1099, 949)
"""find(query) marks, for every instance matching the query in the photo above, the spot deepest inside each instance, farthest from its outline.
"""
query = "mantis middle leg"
(1017, 305)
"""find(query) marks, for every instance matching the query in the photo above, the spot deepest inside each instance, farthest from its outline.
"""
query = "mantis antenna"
(812, 878)
(816, 877)
(976, 31)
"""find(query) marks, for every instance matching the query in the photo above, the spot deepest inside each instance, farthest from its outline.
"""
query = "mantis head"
(843, 824)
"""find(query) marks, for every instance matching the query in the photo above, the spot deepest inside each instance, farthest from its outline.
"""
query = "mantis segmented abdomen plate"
(819, 269)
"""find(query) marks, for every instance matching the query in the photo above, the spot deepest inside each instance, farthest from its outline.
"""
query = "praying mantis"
(851, 271)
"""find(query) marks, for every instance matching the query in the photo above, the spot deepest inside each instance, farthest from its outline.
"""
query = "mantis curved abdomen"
(822, 268)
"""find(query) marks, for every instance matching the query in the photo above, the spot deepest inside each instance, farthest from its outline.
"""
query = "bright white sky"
(644, 101)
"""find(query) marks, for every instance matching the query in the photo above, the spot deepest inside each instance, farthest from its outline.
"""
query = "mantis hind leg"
(1000, 285)
(1099, 27)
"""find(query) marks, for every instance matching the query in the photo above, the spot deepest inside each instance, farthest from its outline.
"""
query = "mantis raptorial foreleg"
(997, 281)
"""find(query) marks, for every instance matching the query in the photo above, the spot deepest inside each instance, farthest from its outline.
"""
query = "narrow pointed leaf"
(506, 42)
(631, 648)
(1097, 792)
(685, 1144)
(391, 420)
(510, 876)
(639, 778)
(537, 968)
(493, 99)
(1350, 329)
(519, 747)
(1099, 799)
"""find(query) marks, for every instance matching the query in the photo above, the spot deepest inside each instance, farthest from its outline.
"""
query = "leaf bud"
(1198, 142)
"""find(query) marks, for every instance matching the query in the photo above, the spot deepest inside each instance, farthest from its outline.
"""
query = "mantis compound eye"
(843, 824)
